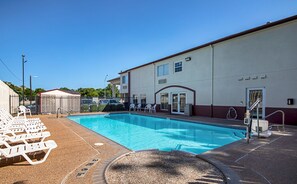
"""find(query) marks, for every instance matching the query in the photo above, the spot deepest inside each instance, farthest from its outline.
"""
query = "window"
(162, 70)
(135, 100)
(143, 100)
(178, 66)
(164, 101)
(124, 79)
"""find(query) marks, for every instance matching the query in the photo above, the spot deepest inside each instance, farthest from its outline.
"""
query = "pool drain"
(82, 172)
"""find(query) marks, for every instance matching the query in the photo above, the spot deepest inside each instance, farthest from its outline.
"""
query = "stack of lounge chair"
(22, 136)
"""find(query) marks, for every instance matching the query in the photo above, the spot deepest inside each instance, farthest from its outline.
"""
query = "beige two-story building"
(230, 72)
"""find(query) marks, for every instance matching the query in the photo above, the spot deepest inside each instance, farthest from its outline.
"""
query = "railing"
(283, 119)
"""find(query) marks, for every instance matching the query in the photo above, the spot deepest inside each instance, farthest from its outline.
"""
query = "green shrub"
(84, 108)
(93, 108)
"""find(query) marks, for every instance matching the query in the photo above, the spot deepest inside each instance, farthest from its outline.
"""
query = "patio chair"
(25, 149)
(132, 106)
(148, 108)
(138, 108)
(23, 110)
(153, 109)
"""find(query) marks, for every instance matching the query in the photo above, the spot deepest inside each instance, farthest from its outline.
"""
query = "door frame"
(263, 98)
(178, 102)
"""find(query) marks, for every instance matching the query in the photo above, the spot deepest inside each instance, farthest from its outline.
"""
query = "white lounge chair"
(132, 106)
(40, 136)
(6, 122)
(7, 115)
(24, 149)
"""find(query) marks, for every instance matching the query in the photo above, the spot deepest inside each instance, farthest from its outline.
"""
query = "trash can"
(188, 109)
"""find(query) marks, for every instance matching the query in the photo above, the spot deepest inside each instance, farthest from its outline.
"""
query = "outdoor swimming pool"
(138, 132)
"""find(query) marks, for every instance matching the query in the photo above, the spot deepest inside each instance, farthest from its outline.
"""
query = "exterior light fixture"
(188, 58)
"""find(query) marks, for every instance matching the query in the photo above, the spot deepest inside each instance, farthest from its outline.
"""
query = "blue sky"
(76, 43)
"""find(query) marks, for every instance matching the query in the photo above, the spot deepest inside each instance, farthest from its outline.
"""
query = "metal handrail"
(283, 118)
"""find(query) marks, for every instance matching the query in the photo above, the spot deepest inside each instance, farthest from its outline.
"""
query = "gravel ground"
(152, 167)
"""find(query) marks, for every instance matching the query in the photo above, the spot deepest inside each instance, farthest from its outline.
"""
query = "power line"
(9, 70)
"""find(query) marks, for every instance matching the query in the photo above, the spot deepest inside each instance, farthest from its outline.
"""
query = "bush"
(93, 108)
(84, 108)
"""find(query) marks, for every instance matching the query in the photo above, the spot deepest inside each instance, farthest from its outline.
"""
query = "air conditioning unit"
(162, 81)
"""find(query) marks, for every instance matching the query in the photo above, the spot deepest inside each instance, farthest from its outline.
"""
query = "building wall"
(124, 87)
(263, 59)
(9, 100)
(195, 74)
(142, 82)
(270, 52)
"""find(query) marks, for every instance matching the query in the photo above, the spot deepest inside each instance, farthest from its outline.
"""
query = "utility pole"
(30, 90)
(105, 84)
(23, 66)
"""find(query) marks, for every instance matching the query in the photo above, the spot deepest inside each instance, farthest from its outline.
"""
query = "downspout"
(129, 88)
(155, 100)
(212, 80)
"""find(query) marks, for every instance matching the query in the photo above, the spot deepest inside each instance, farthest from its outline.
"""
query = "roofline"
(74, 93)
(117, 78)
(265, 26)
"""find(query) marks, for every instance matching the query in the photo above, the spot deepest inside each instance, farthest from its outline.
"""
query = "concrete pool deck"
(78, 160)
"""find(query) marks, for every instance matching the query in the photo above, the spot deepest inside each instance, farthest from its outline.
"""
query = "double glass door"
(178, 103)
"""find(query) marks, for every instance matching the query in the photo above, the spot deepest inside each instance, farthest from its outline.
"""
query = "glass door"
(178, 103)
(174, 103)
(252, 95)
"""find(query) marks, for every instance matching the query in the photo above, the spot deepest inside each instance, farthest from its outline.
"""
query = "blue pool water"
(138, 132)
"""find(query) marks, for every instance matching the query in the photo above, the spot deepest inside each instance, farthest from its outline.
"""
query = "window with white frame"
(178, 66)
(163, 70)
(124, 79)
(164, 101)
(135, 99)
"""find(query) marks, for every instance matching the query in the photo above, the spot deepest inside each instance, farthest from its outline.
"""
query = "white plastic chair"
(148, 108)
(24, 149)
(138, 108)
(23, 110)
(153, 109)
(132, 106)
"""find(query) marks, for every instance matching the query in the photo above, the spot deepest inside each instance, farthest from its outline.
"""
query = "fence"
(50, 104)
(14, 102)
(67, 104)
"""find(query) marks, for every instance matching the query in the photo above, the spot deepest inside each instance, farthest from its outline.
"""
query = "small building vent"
(162, 81)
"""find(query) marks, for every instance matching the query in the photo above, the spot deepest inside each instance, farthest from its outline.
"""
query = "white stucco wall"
(266, 58)
(124, 87)
(270, 52)
(142, 82)
(195, 74)
(8, 103)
